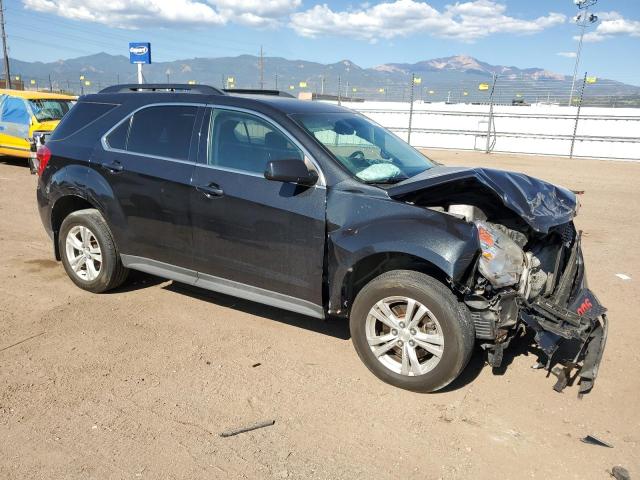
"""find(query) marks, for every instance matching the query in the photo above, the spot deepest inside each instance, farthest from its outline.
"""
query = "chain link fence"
(524, 114)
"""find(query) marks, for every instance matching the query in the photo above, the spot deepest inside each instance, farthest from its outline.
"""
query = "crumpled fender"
(360, 225)
(540, 204)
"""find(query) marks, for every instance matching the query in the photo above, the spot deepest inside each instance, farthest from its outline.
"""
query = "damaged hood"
(540, 204)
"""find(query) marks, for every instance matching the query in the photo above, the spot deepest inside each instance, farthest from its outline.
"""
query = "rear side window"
(163, 131)
(79, 116)
(118, 138)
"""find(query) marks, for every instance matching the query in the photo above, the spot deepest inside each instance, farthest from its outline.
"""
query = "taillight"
(43, 155)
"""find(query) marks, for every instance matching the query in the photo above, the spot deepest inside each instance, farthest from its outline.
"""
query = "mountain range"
(439, 77)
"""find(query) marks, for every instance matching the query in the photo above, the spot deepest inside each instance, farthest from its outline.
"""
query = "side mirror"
(291, 171)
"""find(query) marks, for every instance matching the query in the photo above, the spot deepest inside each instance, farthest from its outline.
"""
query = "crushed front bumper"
(570, 325)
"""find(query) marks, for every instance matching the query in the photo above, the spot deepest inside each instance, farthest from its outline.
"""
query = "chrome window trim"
(108, 148)
(321, 178)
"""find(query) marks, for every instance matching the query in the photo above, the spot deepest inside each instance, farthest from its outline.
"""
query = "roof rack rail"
(160, 87)
(257, 91)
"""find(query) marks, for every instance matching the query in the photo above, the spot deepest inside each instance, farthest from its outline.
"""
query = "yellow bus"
(25, 113)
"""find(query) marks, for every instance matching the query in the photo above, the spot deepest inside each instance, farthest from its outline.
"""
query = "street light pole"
(583, 20)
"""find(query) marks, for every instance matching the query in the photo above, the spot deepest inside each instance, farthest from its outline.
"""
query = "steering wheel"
(357, 155)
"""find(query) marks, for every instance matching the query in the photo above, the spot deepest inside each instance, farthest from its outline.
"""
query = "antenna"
(7, 73)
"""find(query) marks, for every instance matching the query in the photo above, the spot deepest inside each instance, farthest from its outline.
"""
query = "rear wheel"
(89, 253)
(410, 331)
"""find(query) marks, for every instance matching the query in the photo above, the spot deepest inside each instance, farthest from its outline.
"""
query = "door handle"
(114, 167)
(211, 190)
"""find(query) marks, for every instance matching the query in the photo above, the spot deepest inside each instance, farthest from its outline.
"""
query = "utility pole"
(50, 84)
(261, 69)
(339, 90)
(322, 86)
(5, 50)
(276, 79)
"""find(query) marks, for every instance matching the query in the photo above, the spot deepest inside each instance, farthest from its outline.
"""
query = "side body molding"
(222, 285)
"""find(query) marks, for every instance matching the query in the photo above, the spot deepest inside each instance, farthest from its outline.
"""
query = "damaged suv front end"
(529, 273)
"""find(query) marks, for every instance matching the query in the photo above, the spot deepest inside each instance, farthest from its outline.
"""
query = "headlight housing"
(502, 260)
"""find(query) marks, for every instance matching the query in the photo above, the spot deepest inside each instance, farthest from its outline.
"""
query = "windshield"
(45, 109)
(368, 151)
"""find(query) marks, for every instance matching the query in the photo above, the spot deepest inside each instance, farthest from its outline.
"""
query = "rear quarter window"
(161, 131)
(80, 115)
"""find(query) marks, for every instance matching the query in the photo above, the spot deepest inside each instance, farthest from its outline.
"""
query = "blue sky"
(523, 33)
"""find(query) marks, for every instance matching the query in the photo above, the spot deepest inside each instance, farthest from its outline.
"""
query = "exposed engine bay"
(528, 280)
(529, 274)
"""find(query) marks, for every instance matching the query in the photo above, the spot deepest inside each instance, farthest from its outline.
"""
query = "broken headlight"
(502, 260)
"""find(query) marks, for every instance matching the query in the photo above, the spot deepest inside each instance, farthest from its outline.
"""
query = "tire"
(437, 365)
(99, 268)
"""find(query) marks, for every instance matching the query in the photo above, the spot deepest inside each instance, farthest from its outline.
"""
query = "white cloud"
(612, 24)
(567, 54)
(465, 21)
(134, 13)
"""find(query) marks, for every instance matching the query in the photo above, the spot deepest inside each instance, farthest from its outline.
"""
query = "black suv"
(313, 208)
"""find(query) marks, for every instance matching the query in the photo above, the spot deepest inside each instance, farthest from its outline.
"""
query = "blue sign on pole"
(139, 52)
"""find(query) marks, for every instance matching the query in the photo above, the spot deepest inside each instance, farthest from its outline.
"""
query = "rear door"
(266, 237)
(148, 160)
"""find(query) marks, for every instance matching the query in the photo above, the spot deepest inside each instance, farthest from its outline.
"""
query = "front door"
(148, 161)
(251, 233)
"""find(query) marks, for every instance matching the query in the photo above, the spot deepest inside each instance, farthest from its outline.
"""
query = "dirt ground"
(140, 382)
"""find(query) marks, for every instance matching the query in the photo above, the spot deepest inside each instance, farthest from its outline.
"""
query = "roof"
(35, 95)
(158, 93)
(292, 105)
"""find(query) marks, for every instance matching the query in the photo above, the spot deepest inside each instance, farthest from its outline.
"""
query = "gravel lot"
(140, 382)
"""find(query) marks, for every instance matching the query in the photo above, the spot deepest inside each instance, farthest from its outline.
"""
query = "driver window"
(245, 142)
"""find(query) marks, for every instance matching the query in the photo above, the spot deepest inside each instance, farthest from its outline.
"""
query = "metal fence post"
(490, 122)
(575, 126)
(413, 80)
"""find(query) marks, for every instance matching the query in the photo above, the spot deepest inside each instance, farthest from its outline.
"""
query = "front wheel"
(410, 331)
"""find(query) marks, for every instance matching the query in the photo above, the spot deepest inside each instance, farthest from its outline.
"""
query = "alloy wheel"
(404, 336)
(83, 253)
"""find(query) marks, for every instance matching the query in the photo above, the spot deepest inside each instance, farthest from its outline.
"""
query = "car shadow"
(137, 281)
(469, 374)
(14, 161)
(520, 346)
(333, 327)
